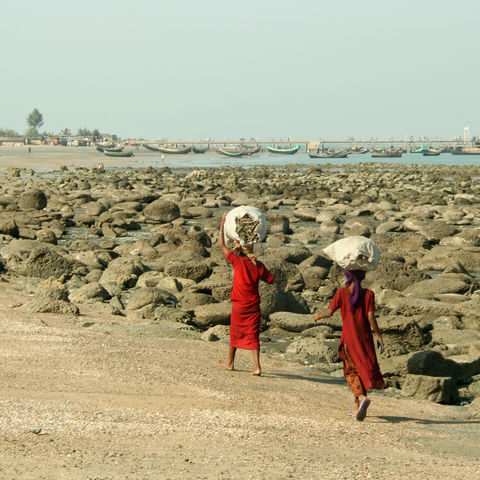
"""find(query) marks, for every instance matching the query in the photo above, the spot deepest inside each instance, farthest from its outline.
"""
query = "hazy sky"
(223, 69)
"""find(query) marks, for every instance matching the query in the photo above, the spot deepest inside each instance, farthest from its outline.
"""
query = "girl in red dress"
(357, 351)
(245, 298)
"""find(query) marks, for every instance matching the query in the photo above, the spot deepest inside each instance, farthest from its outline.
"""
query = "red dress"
(246, 315)
(357, 335)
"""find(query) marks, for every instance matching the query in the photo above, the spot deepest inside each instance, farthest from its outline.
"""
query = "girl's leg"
(353, 380)
(256, 363)
(231, 359)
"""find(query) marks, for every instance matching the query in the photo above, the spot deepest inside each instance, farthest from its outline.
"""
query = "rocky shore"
(144, 243)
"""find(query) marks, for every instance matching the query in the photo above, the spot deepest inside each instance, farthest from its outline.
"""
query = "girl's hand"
(380, 345)
(316, 316)
(223, 218)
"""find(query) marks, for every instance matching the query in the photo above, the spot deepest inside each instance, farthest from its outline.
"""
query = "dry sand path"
(78, 403)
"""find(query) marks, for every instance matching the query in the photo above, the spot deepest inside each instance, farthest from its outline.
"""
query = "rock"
(278, 224)
(474, 408)
(8, 226)
(432, 363)
(196, 271)
(44, 262)
(435, 389)
(146, 296)
(191, 300)
(218, 332)
(313, 350)
(446, 283)
(440, 257)
(90, 293)
(94, 209)
(433, 231)
(161, 211)
(213, 314)
(123, 271)
(33, 199)
(401, 334)
(291, 322)
(313, 277)
(51, 297)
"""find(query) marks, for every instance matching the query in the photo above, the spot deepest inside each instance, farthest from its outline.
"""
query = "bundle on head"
(246, 229)
(355, 277)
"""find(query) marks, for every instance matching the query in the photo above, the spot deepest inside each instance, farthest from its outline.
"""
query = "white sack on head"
(246, 225)
(354, 253)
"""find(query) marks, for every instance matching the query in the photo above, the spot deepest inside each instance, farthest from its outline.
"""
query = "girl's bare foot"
(257, 372)
(228, 366)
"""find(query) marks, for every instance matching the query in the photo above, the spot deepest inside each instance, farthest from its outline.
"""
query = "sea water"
(52, 157)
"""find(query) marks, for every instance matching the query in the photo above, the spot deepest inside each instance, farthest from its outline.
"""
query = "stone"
(51, 297)
(196, 271)
(33, 199)
(291, 322)
(146, 296)
(162, 211)
(90, 293)
(313, 350)
(123, 271)
(216, 333)
(435, 389)
(212, 314)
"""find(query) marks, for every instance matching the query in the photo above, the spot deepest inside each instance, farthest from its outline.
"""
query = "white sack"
(230, 225)
(354, 253)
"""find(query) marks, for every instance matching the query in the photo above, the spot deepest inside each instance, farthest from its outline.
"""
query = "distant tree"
(66, 132)
(34, 122)
(96, 133)
(8, 132)
(84, 132)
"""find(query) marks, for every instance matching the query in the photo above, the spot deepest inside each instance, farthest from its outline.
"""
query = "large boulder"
(213, 314)
(44, 262)
(432, 363)
(51, 297)
(89, 293)
(147, 296)
(439, 258)
(32, 200)
(401, 334)
(123, 271)
(435, 389)
(313, 350)
(446, 283)
(196, 271)
(161, 211)
(292, 322)
(8, 226)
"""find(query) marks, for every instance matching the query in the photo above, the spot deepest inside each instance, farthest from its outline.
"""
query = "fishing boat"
(197, 149)
(101, 147)
(150, 147)
(288, 150)
(418, 149)
(167, 148)
(386, 153)
(431, 152)
(329, 154)
(466, 151)
(113, 153)
(359, 150)
(230, 152)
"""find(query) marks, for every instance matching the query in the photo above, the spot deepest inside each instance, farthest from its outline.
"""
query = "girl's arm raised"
(221, 240)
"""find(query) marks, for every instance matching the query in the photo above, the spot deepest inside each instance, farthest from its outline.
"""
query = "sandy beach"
(115, 383)
(114, 404)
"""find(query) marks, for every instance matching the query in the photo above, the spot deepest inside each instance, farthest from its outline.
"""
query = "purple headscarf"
(355, 277)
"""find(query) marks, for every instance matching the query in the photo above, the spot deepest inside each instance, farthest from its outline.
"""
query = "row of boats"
(117, 150)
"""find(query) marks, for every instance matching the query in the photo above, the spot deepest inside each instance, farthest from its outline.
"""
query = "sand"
(80, 403)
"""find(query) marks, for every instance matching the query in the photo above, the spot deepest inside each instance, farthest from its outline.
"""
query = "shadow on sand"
(423, 421)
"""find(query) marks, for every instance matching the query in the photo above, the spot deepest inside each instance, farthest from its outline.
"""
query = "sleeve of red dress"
(265, 275)
(335, 303)
(231, 257)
